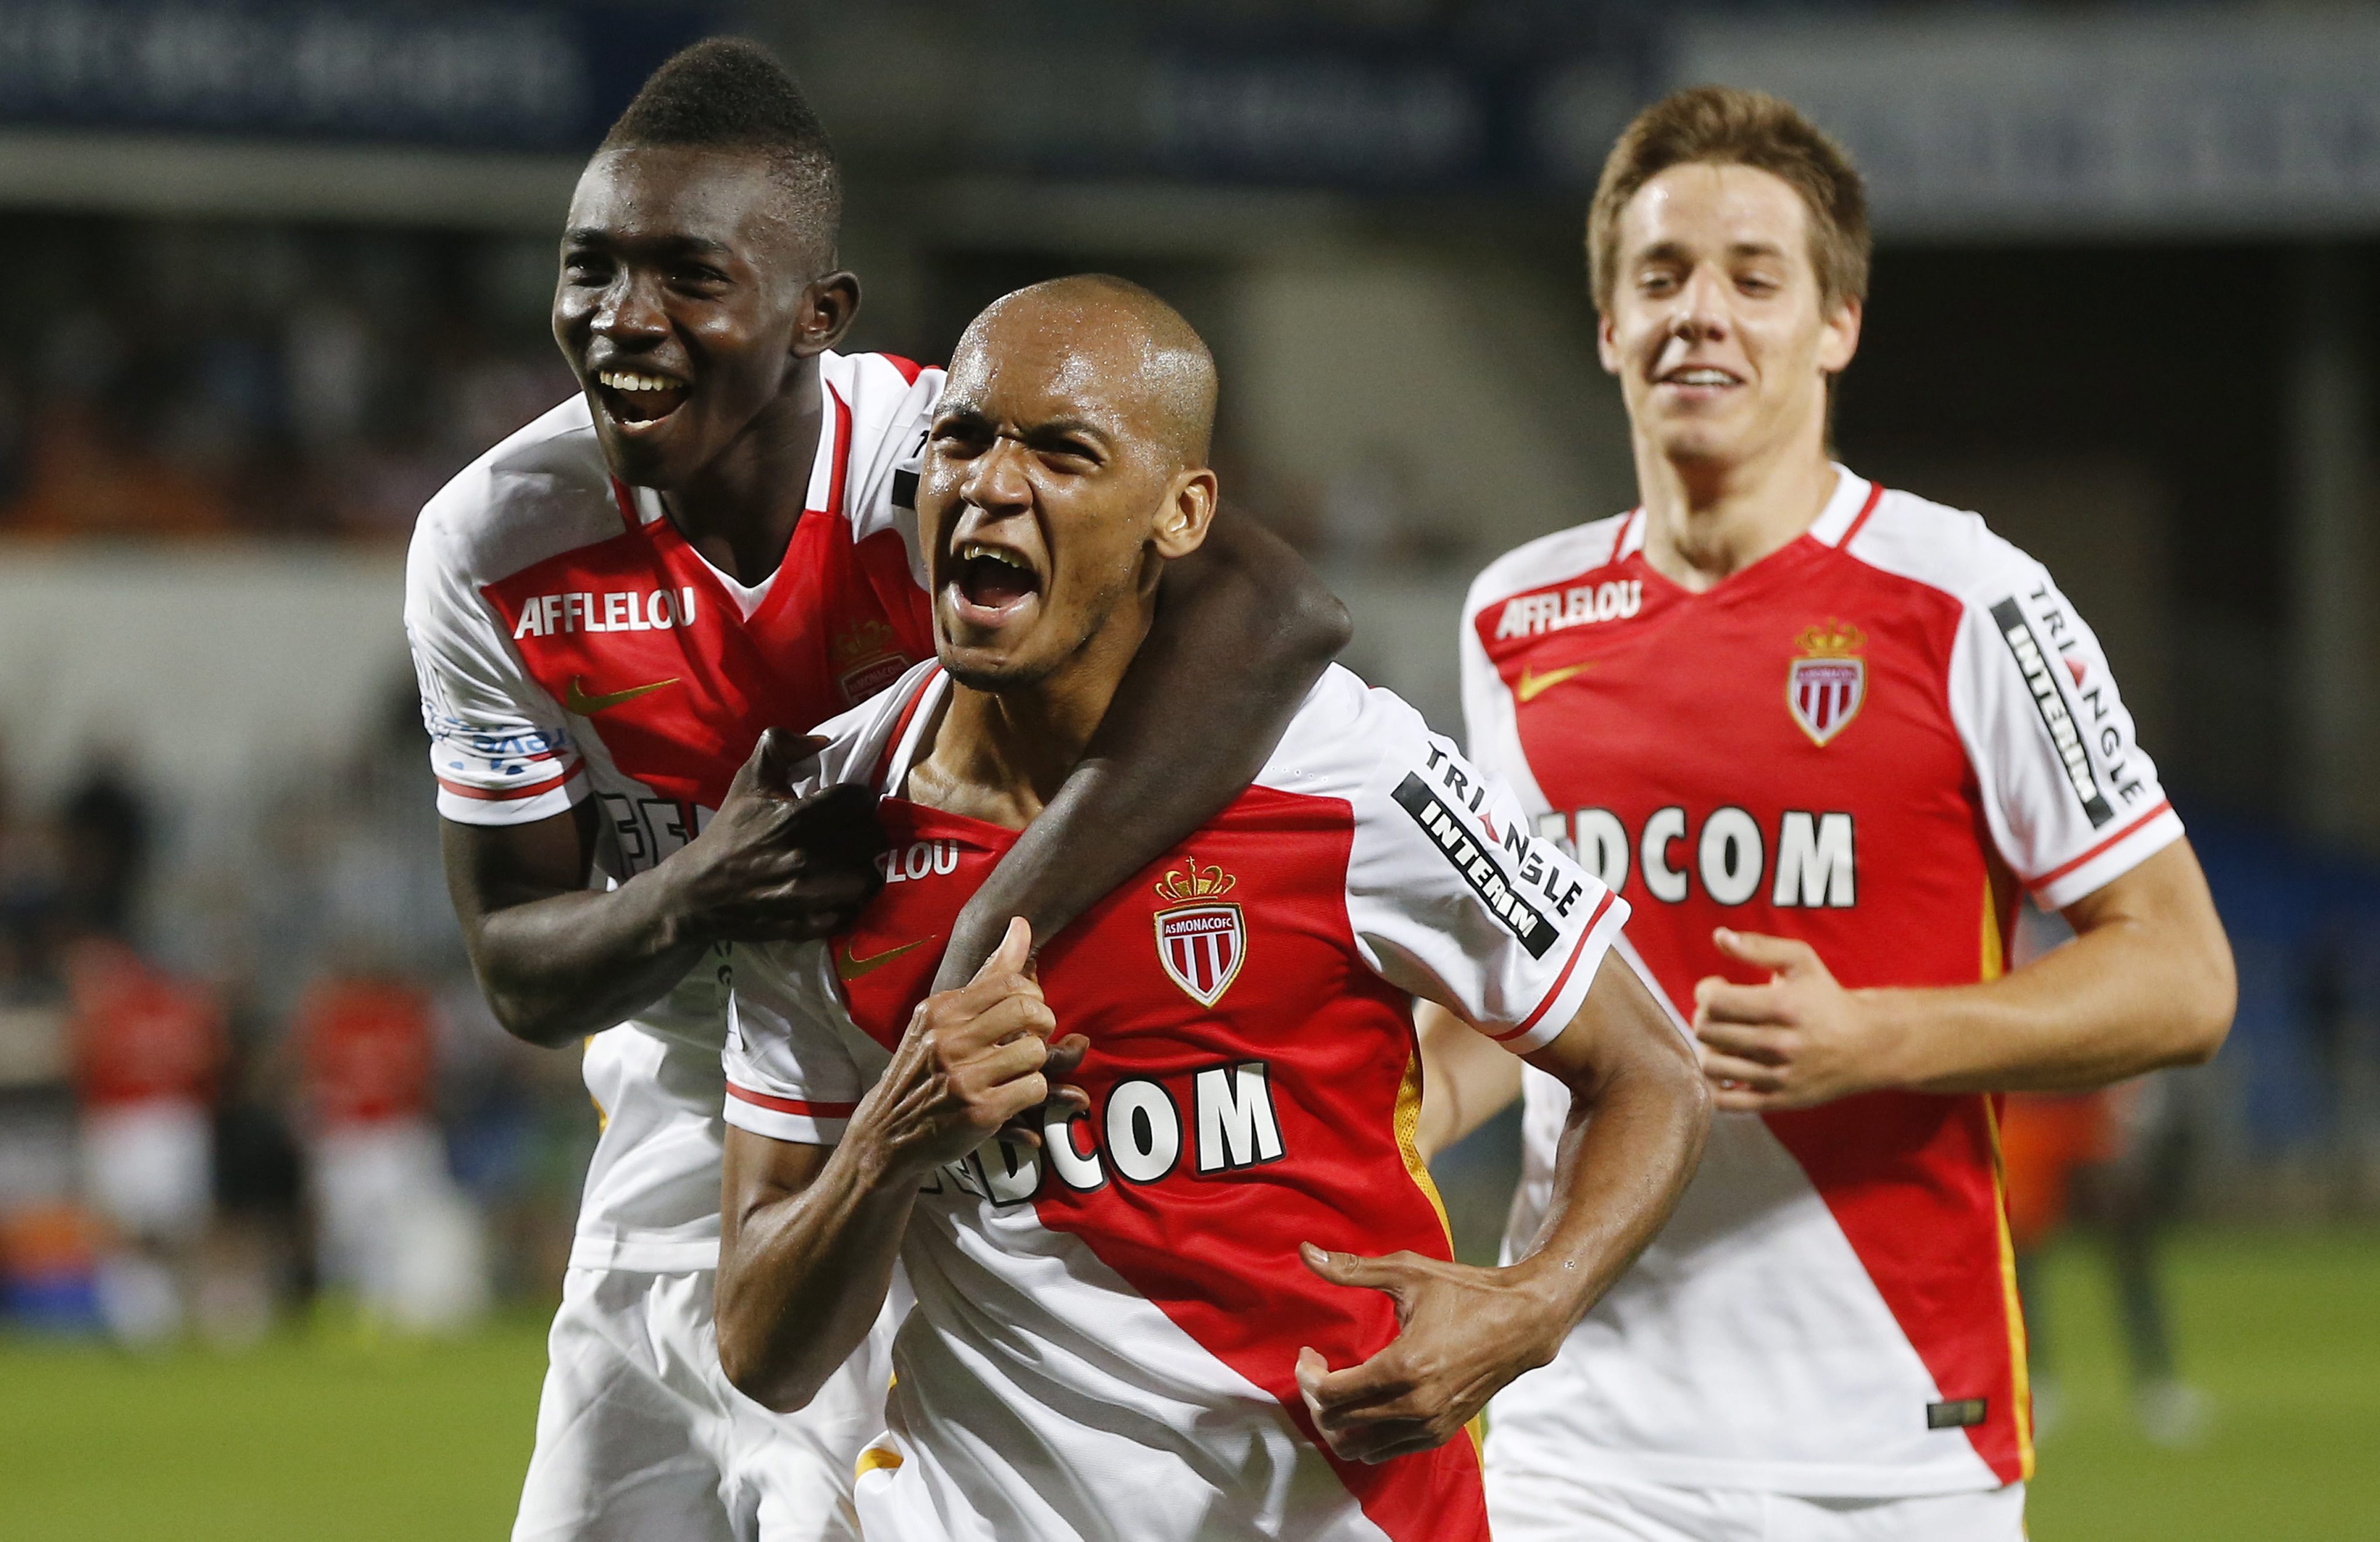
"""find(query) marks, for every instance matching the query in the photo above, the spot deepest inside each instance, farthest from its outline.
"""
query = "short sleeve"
(499, 744)
(2072, 801)
(1451, 897)
(892, 412)
(790, 1077)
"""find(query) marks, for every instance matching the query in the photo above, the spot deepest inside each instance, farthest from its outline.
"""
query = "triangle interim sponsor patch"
(1825, 687)
(1202, 940)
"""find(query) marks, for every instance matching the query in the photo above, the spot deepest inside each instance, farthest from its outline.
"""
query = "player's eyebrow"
(1678, 251)
(683, 245)
(1052, 429)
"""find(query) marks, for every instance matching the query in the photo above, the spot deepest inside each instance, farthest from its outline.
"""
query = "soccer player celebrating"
(1823, 735)
(1212, 1077)
(607, 610)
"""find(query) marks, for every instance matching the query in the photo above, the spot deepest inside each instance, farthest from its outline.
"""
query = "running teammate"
(1114, 1336)
(1823, 735)
(607, 610)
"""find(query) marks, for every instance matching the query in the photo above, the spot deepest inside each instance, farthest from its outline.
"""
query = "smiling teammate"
(607, 610)
(1824, 736)
(1114, 1336)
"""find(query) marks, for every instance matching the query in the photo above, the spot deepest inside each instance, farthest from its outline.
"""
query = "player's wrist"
(1547, 1296)
(878, 1162)
(1890, 1036)
(672, 895)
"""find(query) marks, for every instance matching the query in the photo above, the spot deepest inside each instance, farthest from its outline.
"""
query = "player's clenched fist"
(771, 867)
(972, 1060)
(1798, 1040)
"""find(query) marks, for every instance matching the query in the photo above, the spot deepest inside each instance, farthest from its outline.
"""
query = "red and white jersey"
(367, 1045)
(141, 1036)
(1105, 1329)
(571, 643)
(1875, 739)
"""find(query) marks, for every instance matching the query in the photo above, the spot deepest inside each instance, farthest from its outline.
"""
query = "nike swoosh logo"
(576, 699)
(1533, 686)
(851, 966)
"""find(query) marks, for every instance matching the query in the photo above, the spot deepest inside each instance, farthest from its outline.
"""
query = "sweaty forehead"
(1038, 361)
(727, 197)
(1705, 204)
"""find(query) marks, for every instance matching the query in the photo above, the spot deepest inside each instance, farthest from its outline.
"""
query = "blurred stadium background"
(272, 271)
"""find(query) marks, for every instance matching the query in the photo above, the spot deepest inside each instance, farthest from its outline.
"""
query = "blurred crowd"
(206, 378)
(245, 1072)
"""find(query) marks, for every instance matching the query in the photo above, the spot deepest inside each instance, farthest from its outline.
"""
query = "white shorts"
(640, 1435)
(150, 1167)
(1536, 1507)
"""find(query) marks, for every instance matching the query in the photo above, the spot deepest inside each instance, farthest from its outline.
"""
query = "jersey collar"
(1852, 497)
(917, 722)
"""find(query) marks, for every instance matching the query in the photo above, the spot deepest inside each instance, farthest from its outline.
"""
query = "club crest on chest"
(1202, 939)
(1824, 686)
(867, 658)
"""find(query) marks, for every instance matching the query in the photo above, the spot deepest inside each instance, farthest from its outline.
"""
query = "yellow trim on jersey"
(1408, 1124)
(602, 1117)
(1994, 959)
(873, 1458)
(2020, 1376)
(1994, 964)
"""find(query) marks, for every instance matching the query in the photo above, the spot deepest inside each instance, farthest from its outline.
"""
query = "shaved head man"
(1087, 404)
(1150, 1194)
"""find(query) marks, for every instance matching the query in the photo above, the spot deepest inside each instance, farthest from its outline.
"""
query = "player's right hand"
(771, 867)
(971, 1061)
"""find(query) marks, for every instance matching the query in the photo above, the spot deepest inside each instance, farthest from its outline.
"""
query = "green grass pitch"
(327, 1438)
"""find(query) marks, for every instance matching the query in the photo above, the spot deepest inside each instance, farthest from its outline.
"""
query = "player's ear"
(828, 305)
(1188, 513)
(1606, 347)
(1842, 336)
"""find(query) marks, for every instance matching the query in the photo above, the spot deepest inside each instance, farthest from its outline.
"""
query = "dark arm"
(1243, 628)
(558, 961)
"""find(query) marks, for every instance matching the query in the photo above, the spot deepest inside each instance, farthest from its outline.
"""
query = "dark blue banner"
(491, 75)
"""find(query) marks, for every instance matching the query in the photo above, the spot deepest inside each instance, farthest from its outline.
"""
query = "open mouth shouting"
(990, 585)
(636, 400)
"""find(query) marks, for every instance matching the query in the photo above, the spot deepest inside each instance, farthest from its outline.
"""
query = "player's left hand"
(1798, 1040)
(1464, 1333)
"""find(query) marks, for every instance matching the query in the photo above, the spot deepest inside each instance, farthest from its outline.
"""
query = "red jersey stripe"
(1563, 979)
(1874, 496)
(791, 1105)
(506, 794)
(2102, 848)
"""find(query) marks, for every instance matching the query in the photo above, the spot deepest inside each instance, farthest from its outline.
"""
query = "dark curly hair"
(731, 94)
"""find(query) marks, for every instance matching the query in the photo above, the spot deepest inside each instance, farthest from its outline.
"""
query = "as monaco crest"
(1202, 944)
(1824, 686)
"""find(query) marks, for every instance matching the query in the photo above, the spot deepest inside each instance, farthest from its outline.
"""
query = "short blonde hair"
(1723, 126)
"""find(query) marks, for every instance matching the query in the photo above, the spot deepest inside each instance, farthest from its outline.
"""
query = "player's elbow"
(1318, 626)
(1690, 1095)
(1300, 624)
(758, 1375)
(534, 1022)
(2209, 1002)
(1660, 1071)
